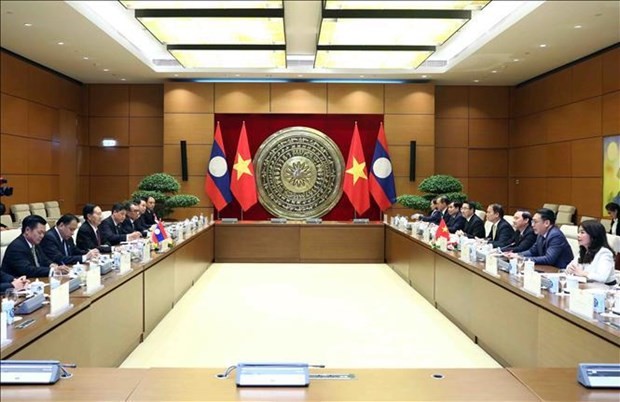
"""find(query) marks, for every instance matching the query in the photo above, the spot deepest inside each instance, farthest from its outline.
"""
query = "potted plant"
(163, 188)
(434, 186)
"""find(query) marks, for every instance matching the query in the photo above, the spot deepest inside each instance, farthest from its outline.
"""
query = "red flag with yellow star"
(242, 182)
(356, 175)
(442, 230)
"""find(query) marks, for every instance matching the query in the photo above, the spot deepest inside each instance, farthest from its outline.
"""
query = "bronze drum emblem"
(299, 173)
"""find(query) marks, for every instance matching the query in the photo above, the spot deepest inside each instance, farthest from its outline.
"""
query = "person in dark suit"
(111, 230)
(474, 227)
(89, 236)
(456, 221)
(132, 222)
(2, 211)
(58, 243)
(439, 211)
(148, 217)
(501, 232)
(23, 257)
(613, 210)
(9, 282)
(524, 237)
(551, 247)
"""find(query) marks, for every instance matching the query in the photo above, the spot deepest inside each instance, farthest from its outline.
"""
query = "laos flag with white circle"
(217, 182)
(382, 187)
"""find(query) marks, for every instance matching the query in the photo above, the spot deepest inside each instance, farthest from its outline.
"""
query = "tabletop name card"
(126, 263)
(59, 299)
(490, 266)
(531, 282)
(581, 303)
(93, 278)
(3, 330)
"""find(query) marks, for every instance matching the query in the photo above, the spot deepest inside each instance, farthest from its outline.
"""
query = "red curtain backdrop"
(339, 127)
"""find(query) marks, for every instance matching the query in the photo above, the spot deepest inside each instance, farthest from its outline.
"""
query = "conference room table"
(197, 384)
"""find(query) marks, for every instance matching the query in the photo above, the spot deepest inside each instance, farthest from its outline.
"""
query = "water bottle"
(117, 259)
(8, 309)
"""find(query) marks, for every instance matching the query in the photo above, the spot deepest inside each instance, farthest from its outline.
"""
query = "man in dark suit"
(58, 243)
(132, 222)
(111, 230)
(439, 211)
(501, 232)
(24, 256)
(474, 227)
(89, 236)
(9, 282)
(524, 237)
(455, 220)
(149, 218)
(551, 247)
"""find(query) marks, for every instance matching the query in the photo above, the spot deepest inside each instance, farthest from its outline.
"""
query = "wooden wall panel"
(410, 99)
(13, 115)
(610, 68)
(366, 98)
(107, 190)
(299, 98)
(452, 161)
(489, 102)
(529, 193)
(586, 158)
(83, 193)
(400, 159)
(451, 133)
(452, 102)
(555, 90)
(40, 157)
(146, 100)
(193, 128)
(587, 80)
(13, 154)
(20, 190)
(42, 121)
(70, 96)
(557, 160)
(488, 133)
(67, 158)
(425, 161)
(83, 161)
(197, 159)
(241, 98)
(14, 76)
(43, 87)
(109, 161)
(146, 131)
(108, 100)
(529, 130)
(611, 117)
(43, 188)
(558, 190)
(116, 128)
(576, 120)
(401, 129)
(145, 160)
(587, 195)
(188, 97)
(488, 190)
(520, 161)
(404, 186)
(488, 163)
(82, 130)
(195, 185)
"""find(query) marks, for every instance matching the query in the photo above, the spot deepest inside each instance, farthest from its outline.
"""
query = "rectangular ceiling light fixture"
(404, 5)
(372, 57)
(225, 56)
(157, 4)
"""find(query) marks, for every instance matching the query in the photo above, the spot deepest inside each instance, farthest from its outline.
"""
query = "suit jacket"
(551, 250)
(5, 281)
(111, 234)
(18, 260)
(148, 218)
(521, 242)
(86, 237)
(128, 227)
(474, 227)
(503, 234)
(53, 248)
(456, 222)
(434, 217)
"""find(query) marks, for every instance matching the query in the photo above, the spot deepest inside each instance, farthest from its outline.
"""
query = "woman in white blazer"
(595, 261)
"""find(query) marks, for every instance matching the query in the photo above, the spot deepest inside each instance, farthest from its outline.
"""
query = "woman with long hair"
(595, 261)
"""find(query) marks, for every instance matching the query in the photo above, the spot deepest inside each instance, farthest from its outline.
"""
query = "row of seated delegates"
(474, 226)
(133, 222)
(58, 244)
(24, 257)
(89, 236)
(595, 261)
(439, 208)
(501, 233)
(148, 216)
(551, 246)
(111, 228)
(613, 210)
(455, 220)
(524, 236)
(10, 282)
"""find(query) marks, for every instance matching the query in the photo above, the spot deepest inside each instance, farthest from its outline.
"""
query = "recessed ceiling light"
(61, 43)
(494, 71)
(123, 79)
(425, 76)
(361, 76)
(85, 58)
(27, 24)
(237, 75)
(578, 26)
(300, 75)
(106, 69)
(176, 75)
(542, 45)
(476, 80)
(515, 60)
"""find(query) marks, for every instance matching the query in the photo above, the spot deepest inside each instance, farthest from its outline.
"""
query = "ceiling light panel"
(403, 5)
(145, 4)
(370, 59)
(229, 58)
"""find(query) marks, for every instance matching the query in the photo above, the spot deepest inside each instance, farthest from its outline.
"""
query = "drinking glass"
(520, 265)
(562, 285)
(610, 299)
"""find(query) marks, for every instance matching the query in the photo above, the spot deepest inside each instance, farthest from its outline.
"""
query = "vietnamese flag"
(356, 176)
(242, 182)
(382, 185)
(442, 230)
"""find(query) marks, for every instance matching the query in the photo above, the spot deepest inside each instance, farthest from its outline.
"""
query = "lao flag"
(217, 182)
(159, 233)
(356, 178)
(382, 185)
(243, 183)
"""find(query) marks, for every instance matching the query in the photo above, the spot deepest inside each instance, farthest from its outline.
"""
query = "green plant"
(434, 186)
(163, 188)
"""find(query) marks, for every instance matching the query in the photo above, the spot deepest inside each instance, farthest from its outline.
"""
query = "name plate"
(581, 303)
(314, 221)
(230, 220)
(59, 299)
(490, 266)
(272, 375)
(93, 279)
(361, 220)
(466, 252)
(278, 220)
(126, 263)
(531, 282)
(146, 252)
(3, 329)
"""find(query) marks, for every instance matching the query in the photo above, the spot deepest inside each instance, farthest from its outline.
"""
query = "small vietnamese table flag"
(442, 231)
(217, 180)
(356, 178)
(242, 182)
(381, 183)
